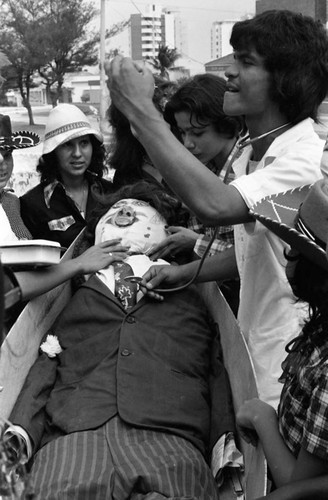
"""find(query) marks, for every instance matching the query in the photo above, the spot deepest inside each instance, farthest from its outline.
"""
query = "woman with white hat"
(31, 283)
(71, 167)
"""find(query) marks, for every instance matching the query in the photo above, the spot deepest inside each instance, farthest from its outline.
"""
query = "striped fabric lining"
(119, 461)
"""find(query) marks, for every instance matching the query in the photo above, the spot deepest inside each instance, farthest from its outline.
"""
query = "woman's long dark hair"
(48, 164)
(126, 154)
(310, 285)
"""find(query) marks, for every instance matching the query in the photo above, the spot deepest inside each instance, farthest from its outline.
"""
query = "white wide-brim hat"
(300, 218)
(66, 122)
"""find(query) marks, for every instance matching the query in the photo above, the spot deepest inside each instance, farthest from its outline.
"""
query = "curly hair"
(168, 206)
(310, 285)
(48, 163)
(294, 49)
(202, 95)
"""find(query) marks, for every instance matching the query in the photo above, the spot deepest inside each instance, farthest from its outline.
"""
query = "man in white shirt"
(277, 84)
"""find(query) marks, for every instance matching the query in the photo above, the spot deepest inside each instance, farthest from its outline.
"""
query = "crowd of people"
(135, 370)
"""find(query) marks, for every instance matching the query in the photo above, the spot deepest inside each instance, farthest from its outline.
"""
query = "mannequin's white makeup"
(138, 224)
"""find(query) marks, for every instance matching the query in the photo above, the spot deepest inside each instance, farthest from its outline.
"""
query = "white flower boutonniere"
(51, 346)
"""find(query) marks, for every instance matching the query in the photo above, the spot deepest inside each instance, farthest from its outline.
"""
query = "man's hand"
(181, 239)
(164, 276)
(131, 85)
(102, 255)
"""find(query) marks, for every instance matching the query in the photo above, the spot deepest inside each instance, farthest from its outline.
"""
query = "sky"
(200, 14)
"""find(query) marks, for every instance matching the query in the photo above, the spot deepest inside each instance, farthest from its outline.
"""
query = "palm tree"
(164, 61)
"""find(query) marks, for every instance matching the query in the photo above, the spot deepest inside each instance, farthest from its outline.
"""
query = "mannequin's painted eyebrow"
(118, 204)
(138, 203)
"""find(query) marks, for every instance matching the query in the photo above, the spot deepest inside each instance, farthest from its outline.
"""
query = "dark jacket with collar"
(62, 211)
(152, 366)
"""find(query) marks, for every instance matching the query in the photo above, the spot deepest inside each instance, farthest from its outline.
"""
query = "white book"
(34, 253)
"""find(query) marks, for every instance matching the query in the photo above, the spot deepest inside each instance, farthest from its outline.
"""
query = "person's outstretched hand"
(180, 239)
(102, 255)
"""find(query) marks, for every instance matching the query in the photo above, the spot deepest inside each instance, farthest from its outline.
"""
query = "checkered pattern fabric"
(303, 410)
(225, 235)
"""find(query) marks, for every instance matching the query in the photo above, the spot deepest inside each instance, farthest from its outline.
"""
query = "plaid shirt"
(303, 409)
(225, 236)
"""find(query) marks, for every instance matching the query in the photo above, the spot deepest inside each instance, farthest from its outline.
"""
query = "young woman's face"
(248, 86)
(6, 168)
(74, 156)
(204, 142)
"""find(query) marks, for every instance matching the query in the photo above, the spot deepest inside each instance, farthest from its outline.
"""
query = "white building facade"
(220, 36)
(150, 29)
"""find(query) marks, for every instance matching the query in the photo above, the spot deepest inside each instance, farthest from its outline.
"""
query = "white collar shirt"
(268, 315)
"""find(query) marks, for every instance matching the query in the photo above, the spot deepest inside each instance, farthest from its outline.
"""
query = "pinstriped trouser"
(118, 462)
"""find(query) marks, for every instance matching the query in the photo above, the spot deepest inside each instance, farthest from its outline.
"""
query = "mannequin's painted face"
(138, 224)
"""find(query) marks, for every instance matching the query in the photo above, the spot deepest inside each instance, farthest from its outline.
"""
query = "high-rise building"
(317, 9)
(149, 30)
(220, 38)
(180, 32)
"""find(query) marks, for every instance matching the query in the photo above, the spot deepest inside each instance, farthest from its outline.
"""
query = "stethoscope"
(138, 279)
(241, 143)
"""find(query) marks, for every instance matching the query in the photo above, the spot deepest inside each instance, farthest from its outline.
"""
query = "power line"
(136, 6)
(182, 7)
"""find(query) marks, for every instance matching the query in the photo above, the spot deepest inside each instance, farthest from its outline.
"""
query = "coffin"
(20, 349)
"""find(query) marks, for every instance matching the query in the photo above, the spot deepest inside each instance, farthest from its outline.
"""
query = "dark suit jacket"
(151, 365)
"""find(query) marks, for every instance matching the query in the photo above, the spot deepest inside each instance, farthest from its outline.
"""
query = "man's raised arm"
(131, 87)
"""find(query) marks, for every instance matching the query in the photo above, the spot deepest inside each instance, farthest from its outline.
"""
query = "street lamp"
(104, 95)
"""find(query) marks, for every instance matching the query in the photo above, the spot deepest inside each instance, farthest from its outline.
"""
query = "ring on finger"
(110, 254)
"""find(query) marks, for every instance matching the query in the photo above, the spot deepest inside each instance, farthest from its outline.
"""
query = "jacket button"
(125, 352)
(130, 319)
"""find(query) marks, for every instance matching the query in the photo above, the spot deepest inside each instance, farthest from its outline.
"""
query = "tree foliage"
(49, 38)
(68, 43)
(14, 36)
(165, 60)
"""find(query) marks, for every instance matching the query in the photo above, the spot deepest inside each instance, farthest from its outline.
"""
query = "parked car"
(88, 109)
(91, 111)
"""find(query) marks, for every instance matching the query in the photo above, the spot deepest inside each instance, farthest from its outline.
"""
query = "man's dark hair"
(202, 96)
(295, 51)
